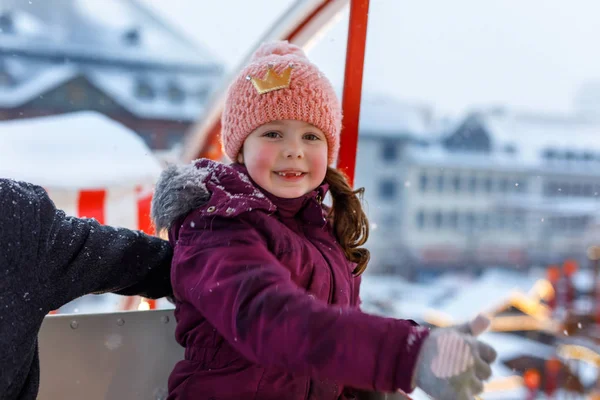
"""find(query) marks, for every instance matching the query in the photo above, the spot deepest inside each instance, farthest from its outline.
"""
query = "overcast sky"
(453, 55)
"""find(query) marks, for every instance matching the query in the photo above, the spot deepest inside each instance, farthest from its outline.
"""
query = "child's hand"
(453, 364)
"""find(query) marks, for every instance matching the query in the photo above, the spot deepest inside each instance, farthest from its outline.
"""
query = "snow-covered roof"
(529, 143)
(534, 134)
(75, 151)
(37, 84)
(52, 43)
(121, 86)
(385, 116)
(105, 30)
(118, 83)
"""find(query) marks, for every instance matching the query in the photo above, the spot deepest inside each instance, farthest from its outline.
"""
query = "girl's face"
(287, 158)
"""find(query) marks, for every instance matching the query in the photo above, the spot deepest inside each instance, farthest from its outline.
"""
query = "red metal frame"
(302, 25)
(353, 78)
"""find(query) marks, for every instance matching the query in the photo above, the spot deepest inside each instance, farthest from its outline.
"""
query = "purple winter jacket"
(266, 303)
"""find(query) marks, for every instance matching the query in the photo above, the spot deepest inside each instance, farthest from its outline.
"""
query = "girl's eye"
(311, 136)
(273, 135)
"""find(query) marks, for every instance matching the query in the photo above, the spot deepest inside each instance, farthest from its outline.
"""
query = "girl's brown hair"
(350, 223)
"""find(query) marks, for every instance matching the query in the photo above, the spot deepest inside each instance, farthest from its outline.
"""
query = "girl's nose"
(293, 152)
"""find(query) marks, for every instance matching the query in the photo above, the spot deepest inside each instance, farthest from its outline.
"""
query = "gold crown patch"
(272, 81)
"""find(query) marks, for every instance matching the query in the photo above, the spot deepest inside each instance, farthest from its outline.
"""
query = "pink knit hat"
(280, 83)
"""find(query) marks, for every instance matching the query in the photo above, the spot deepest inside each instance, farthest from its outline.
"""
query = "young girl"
(266, 278)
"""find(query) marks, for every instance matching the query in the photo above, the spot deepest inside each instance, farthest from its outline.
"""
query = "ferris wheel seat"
(121, 355)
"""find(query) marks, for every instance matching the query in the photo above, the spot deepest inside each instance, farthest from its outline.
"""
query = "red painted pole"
(353, 78)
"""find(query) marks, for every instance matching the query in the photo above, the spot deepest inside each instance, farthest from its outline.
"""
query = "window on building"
(456, 183)
(132, 37)
(510, 148)
(144, 90)
(389, 151)
(488, 184)
(423, 181)
(175, 93)
(387, 189)
(504, 184)
(440, 183)
(437, 220)
(420, 219)
(452, 220)
(470, 220)
(484, 221)
(203, 93)
(7, 24)
(472, 184)
(549, 154)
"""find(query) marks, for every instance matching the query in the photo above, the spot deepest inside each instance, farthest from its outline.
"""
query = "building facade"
(113, 57)
(497, 189)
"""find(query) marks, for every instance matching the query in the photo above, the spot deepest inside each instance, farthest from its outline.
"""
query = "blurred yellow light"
(580, 353)
(542, 289)
(530, 306)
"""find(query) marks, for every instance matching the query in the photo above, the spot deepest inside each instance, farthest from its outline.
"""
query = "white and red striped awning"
(123, 207)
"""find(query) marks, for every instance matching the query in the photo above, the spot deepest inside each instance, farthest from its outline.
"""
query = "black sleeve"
(70, 257)
(19, 230)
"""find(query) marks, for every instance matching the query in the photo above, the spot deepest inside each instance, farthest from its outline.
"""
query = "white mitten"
(453, 364)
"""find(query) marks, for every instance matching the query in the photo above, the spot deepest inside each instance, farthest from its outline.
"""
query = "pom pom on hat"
(281, 48)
